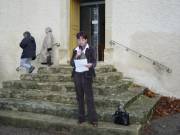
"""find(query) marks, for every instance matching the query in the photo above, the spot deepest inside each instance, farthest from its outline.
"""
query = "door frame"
(74, 24)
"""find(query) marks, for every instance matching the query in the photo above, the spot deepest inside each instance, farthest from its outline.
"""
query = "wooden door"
(74, 24)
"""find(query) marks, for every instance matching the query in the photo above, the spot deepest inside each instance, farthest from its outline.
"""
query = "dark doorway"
(92, 21)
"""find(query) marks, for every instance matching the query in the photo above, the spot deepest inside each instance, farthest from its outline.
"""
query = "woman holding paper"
(84, 61)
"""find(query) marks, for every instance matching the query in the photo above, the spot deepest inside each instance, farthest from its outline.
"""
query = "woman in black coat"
(83, 80)
(28, 45)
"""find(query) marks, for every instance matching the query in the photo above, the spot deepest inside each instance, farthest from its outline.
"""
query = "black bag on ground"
(121, 116)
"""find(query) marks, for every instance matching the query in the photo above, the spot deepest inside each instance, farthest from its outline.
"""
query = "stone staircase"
(47, 100)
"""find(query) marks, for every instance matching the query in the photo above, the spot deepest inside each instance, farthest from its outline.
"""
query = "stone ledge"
(31, 120)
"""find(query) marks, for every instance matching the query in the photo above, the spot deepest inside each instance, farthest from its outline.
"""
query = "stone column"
(108, 52)
(63, 55)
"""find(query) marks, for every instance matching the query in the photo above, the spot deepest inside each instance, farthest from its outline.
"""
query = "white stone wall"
(151, 27)
(17, 16)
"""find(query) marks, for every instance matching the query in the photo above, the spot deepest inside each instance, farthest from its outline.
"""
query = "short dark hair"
(27, 33)
(81, 34)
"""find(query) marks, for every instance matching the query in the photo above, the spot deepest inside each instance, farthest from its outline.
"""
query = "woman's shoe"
(44, 63)
(18, 69)
(80, 122)
(49, 64)
(94, 123)
(31, 69)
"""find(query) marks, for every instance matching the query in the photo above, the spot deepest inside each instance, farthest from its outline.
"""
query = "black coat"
(28, 45)
(91, 58)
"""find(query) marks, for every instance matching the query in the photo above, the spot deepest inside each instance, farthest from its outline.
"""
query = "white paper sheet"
(80, 65)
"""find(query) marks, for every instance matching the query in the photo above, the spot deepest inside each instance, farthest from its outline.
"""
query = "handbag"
(121, 116)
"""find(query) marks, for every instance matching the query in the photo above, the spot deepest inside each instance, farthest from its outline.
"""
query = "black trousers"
(83, 86)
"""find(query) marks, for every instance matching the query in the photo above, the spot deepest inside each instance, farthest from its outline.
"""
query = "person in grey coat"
(28, 46)
(46, 50)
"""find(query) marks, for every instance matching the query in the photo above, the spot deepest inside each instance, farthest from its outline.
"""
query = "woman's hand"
(89, 65)
(78, 54)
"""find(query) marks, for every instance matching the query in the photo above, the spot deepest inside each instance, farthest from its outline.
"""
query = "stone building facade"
(149, 27)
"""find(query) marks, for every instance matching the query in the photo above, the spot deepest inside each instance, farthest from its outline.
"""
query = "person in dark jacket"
(83, 80)
(28, 45)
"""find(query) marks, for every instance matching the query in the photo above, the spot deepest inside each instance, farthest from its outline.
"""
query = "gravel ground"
(169, 125)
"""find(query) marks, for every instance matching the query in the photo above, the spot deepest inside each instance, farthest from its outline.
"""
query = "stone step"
(52, 108)
(100, 101)
(141, 109)
(68, 69)
(64, 87)
(44, 107)
(109, 78)
(67, 126)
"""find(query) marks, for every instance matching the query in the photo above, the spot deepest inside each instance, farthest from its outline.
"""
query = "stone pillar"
(63, 54)
(108, 52)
